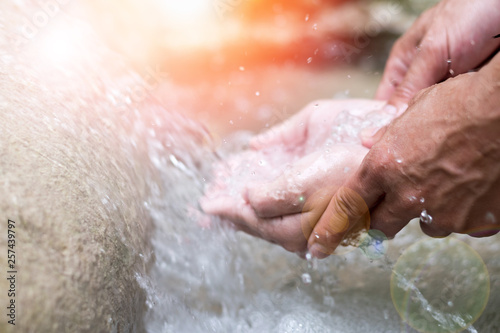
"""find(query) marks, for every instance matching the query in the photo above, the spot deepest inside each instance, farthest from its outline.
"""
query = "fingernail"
(369, 132)
(319, 251)
(390, 109)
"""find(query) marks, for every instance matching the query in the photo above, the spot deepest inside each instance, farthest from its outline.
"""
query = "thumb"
(348, 210)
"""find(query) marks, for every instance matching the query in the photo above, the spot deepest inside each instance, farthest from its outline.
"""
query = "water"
(425, 217)
(198, 274)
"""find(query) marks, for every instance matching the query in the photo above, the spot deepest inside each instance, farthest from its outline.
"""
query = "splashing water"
(204, 277)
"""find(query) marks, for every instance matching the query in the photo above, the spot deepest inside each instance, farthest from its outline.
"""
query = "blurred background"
(249, 64)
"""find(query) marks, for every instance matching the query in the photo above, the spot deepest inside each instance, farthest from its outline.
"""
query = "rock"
(73, 178)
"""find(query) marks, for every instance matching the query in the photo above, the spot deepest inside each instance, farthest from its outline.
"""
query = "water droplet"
(242, 68)
(257, 93)
(374, 244)
(231, 122)
(309, 60)
(315, 26)
(261, 162)
(306, 278)
(452, 72)
(422, 200)
(425, 217)
(450, 304)
(348, 76)
(490, 218)
(307, 17)
(449, 61)
(399, 161)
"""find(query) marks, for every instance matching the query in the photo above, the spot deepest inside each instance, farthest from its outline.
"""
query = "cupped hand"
(451, 38)
(286, 180)
(440, 160)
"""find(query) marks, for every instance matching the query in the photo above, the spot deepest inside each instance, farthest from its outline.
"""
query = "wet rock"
(72, 177)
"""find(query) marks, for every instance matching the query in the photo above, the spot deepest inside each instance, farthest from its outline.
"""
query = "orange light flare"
(190, 23)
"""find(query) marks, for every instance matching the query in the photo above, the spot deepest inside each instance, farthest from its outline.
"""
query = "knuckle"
(400, 46)
(257, 199)
(430, 47)
(379, 160)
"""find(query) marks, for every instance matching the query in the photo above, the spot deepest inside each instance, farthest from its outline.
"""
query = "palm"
(292, 171)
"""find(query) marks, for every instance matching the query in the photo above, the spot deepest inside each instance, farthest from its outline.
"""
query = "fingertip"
(319, 251)
(367, 136)
(370, 136)
(433, 232)
(256, 196)
(256, 142)
(400, 99)
(213, 206)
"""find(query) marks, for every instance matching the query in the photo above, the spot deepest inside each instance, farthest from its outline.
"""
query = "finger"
(348, 207)
(290, 191)
(429, 66)
(229, 208)
(389, 217)
(400, 58)
(486, 232)
(433, 231)
(292, 131)
(286, 194)
(370, 136)
(284, 231)
(275, 198)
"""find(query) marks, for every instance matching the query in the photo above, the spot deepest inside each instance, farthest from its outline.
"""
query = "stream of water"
(206, 277)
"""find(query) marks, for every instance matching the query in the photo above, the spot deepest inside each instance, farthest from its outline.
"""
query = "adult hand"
(442, 156)
(451, 38)
(292, 172)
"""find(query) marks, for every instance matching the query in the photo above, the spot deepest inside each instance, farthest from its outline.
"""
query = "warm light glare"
(187, 11)
(60, 46)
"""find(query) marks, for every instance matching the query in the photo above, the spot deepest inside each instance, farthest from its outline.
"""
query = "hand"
(441, 156)
(457, 30)
(274, 190)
